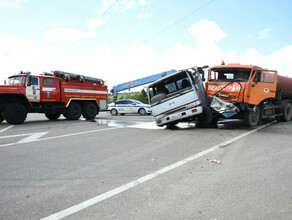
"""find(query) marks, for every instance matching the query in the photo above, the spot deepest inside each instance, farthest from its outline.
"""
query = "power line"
(177, 22)
(134, 22)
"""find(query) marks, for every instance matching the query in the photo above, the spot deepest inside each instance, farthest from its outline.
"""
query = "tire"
(287, 112)
(142, 111)
(15, 113)
(205, 119)
(1, 117)
(73, 112)
(89, 110)
(52, 116)
(252, 118)
(114, 112)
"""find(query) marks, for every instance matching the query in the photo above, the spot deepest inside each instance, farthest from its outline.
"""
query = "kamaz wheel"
(142, 111)
(287, 112)
(73, 112)
(15, 113)
(1, 117)
(89, 110)
(52, 116)
(114, 112)
(252, 118)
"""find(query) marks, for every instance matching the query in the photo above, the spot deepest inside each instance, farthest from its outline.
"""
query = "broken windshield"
(168, 87)
(230, 75)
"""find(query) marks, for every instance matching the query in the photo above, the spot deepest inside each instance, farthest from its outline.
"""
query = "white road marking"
(76, 208)
(31, 138)
(34, 138)
(5, 129)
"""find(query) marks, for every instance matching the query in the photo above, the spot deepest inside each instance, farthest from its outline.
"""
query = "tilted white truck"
(179, 97)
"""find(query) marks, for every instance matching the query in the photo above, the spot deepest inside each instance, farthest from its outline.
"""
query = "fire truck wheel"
(52, 116)
(1, 117)
(142, 111)
(89, 110)
(15, 113)
(252, 118)
(73, 112)
(114, 112)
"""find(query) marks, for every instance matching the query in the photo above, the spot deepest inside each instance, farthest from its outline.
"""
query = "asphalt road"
(124, 167)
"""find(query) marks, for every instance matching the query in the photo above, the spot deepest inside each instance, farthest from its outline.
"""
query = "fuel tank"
(284, 87)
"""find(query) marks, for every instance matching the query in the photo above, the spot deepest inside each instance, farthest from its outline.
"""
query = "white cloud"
(264, 33)
(142, 2)
(142, 16)
(94, 23)
(64, 37)
(11, 3)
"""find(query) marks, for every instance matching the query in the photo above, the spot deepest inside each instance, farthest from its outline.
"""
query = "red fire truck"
(53, 94)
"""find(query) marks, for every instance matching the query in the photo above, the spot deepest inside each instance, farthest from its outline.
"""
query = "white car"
(129, 106)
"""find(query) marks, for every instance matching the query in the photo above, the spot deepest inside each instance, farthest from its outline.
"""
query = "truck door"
(50, 90)
(33, 89)
(263, 86)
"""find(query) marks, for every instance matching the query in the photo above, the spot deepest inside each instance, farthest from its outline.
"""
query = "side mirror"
(134, 103)
(29, 81)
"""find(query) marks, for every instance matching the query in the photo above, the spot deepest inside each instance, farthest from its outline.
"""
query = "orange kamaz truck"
(248, 92)
(53, 94)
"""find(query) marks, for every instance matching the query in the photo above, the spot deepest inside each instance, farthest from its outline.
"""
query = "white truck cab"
(178, 97)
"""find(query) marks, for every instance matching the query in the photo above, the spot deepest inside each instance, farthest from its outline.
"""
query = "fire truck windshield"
(16, 80)
(230, 75)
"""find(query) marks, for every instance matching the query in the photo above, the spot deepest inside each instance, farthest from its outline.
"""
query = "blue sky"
(127, 39)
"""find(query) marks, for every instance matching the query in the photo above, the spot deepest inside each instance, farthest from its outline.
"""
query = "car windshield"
(138, 102)
(16, 80)
(230, 74)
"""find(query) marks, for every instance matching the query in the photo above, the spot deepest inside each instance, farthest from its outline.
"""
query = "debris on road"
(214, 161)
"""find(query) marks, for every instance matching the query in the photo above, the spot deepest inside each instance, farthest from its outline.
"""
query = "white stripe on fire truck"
(49, 89)
(85, 91)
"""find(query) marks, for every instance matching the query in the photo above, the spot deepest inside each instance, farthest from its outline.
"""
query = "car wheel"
(142, 111)
(114, 112)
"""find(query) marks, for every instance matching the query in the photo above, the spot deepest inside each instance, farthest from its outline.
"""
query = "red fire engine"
(53, 94)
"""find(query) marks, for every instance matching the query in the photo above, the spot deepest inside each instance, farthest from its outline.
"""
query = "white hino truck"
(180, 97)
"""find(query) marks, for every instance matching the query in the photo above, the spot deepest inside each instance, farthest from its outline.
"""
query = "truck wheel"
(252, 118)
(73, 112)
(205, 119)
(15, 113)
(287, 112)
(89, 110)
(1, 117)
(52, 116)
(142, 111)
(114, 112)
